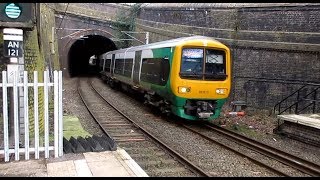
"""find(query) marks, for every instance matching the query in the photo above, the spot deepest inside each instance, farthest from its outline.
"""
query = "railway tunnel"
(81, 51)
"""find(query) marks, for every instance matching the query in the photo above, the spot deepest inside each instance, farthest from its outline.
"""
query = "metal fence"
(25, 138)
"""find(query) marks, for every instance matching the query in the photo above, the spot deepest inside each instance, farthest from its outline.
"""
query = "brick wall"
(273, 47)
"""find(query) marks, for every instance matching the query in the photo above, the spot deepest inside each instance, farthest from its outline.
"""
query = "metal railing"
(299, 100)
(33, 142)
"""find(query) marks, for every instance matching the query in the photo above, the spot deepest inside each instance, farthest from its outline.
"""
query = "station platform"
(302, 127)
(311, 120)
(90, 164)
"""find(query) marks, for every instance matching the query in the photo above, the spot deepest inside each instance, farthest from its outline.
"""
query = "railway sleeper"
(123, 131)
(167, 170)
(129, 139)
(128, 135)
(148, 149)
(155, 155)
(165, 162)
(159, 165)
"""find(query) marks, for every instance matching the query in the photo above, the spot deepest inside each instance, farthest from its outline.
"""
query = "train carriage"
(189, 77)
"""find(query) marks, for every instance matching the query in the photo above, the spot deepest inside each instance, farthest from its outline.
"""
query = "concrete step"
(305, 134)
(311, 120)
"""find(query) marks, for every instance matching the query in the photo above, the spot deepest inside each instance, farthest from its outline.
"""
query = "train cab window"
(215, 64)
(191, 63)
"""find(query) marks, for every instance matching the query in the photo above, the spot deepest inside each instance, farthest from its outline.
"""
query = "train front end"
(200, 79)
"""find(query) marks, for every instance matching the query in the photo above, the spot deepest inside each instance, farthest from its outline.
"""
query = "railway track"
(280, 171)
(295, 162)
(154, 156)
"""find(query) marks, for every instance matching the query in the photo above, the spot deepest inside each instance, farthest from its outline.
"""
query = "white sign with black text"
(13, 42)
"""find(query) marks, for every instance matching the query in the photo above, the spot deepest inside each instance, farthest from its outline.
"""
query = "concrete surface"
(91, 164)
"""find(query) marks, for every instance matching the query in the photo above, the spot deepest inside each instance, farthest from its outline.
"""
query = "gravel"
(73, 105)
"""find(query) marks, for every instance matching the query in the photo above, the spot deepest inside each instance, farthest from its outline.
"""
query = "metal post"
(36, 116)
(13, 49)
(147, 37)
(16, 116)
(11, 114)
(314, 101)
(26, 114)
(298, 98)
(5, 116)
(60, 115)
(56, 114)
(46, 114)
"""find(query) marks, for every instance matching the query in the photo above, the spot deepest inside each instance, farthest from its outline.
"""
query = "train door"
(136, 69)
(112, 64)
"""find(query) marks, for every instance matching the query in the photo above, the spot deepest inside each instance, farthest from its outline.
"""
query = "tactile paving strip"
(88, 144)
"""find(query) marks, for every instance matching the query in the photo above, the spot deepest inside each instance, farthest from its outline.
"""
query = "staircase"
(300, 114)
(304, 100)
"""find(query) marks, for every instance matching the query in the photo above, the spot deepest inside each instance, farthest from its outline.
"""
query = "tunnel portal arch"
(84, 44)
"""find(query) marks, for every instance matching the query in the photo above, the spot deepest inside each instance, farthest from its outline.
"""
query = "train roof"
(162, 44)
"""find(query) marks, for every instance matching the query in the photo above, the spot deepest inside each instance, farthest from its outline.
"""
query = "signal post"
(15, 18)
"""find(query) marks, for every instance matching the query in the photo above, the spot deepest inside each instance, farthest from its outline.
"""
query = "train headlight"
(184, 89)
(221, 91)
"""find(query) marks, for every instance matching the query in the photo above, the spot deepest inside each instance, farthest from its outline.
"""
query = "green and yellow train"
(189, 77)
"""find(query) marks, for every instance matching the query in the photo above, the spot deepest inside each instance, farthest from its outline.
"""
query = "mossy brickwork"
(48, 38)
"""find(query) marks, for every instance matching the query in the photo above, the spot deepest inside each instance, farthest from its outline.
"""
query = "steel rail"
(236, 151)
(174, 153)
(281, 156)
(101, 125)
(92, 115)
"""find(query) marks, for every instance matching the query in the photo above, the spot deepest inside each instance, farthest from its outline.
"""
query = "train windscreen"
(203, 64)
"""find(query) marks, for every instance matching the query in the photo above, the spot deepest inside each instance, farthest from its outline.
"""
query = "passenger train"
(189, 77)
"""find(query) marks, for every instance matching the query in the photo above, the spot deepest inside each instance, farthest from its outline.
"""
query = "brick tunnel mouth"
(81, 51)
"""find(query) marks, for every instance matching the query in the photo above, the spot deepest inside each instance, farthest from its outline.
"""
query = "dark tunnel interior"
(81, 51)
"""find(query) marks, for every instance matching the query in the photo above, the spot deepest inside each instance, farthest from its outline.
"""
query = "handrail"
(313, 100)
(274, 108)
(289, 95)
(297, 102)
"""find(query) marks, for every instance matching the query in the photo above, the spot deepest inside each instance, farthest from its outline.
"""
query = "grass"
(72, 127)
(245, 130)
(240, 128)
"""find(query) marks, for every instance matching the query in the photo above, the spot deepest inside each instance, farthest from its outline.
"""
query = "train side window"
(165, 69)
(101, 65)
(151, 70)
(128, 67)
(119, 65)
(107, 65)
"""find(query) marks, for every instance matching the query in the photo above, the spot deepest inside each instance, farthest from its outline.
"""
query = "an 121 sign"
(12, 48)
(13, 42)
